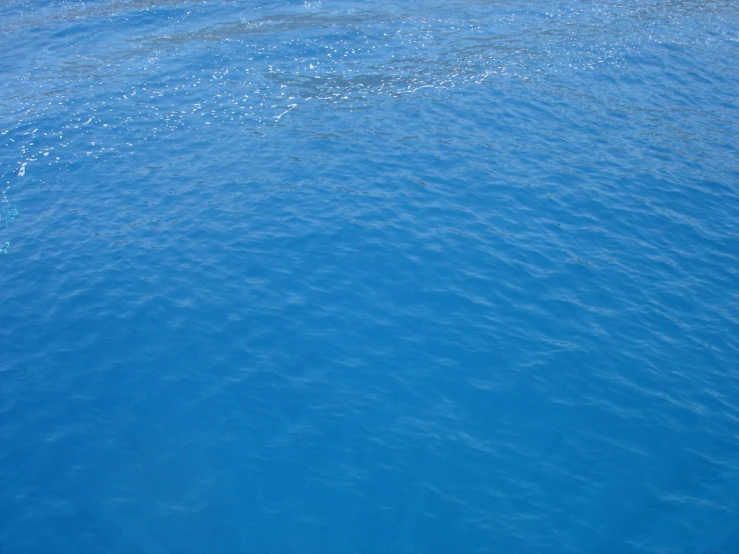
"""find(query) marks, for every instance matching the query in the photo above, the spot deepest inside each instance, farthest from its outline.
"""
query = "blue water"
(348, 277)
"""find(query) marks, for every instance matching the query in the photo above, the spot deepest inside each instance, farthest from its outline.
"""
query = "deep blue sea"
(342, 277)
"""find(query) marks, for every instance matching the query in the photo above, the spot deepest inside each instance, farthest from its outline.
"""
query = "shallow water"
(339, 277)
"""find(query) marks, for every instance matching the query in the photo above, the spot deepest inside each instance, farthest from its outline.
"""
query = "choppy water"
(411, 277)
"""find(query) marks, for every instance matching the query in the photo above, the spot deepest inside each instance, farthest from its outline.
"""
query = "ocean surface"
(369, 277)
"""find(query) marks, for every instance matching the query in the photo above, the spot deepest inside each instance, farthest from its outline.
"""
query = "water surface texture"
(362, 277)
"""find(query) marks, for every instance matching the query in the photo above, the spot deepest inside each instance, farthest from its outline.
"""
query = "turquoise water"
(340, 277)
